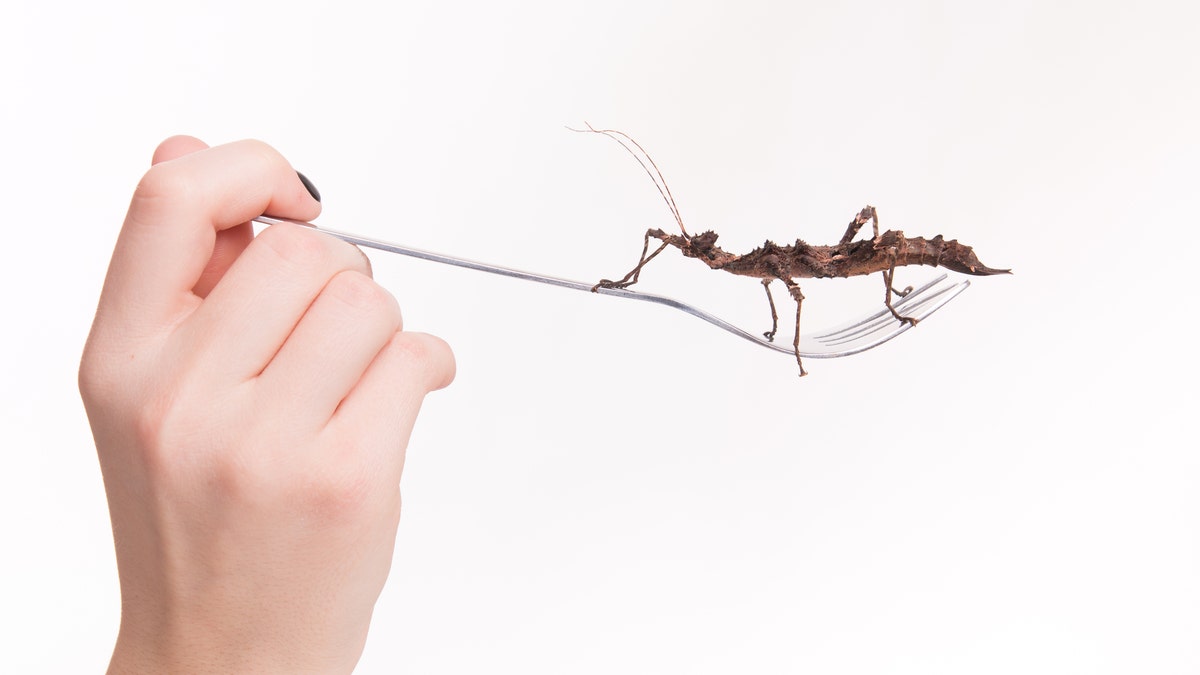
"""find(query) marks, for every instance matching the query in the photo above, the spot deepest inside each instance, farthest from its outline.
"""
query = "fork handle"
(358, 240)
(530, 276)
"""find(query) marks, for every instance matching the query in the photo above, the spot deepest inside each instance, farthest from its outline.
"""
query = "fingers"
(291, 316)
(229, 243)
(415, 361)
(382, 407)
(180, 205)
(260, 300)
(333, 345)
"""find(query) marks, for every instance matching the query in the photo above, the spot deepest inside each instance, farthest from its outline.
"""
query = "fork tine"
(880, 327)
(871, 321)
(882, 318)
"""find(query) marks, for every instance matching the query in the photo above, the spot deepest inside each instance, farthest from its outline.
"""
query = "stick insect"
(883, 253)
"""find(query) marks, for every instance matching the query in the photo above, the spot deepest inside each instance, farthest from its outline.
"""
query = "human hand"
(251, 399)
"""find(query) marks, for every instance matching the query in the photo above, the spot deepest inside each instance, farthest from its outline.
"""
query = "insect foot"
(903, 319)
(607, 283)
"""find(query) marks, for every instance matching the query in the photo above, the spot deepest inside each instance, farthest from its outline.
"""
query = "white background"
(610, 487)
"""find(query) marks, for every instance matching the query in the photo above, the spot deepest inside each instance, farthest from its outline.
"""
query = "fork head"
(878, 327)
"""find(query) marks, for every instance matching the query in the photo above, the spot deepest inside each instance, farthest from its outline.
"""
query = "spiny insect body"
(883, 253)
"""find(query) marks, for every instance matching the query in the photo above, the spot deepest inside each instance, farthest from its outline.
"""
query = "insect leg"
(794, 289)
(888, 275)
(632, 277)
(868, 213)
(770, 335)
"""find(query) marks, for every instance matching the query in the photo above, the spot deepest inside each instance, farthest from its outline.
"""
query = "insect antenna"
(648, 166)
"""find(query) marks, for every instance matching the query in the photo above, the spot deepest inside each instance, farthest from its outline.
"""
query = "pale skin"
(251, 399)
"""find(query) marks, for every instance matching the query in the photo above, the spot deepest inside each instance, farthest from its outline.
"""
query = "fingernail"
(308, 185)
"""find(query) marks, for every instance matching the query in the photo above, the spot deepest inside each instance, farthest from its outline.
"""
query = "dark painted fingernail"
(308, 185)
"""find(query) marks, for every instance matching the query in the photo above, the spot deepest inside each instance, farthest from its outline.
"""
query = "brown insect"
(882, 253)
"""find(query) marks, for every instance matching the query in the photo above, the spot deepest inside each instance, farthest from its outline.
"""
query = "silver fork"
(853, 337)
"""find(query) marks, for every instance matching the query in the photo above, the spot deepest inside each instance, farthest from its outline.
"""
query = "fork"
(854, 337)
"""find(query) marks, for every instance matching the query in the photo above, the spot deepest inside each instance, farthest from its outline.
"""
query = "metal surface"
(854, 337)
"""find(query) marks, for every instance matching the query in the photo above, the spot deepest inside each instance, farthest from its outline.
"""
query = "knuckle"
(93, 378)
(266, 155)
(298, 246)
(410, 349)
(177, 426)
(304, 248)
(361, 293)
(164, 182)
(240, 479)
(255, 145)
(338, 495)
(427, 355)
(160, 424)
